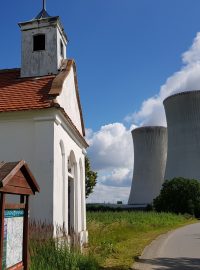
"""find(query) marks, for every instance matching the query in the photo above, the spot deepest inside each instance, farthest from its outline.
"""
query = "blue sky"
(125, 51)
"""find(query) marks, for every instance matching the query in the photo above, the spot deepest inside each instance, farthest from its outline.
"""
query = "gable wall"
(68, 100)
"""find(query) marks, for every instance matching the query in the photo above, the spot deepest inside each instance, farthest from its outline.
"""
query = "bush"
(179, 195)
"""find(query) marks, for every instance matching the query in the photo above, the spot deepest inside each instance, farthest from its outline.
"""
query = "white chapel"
(41, 122)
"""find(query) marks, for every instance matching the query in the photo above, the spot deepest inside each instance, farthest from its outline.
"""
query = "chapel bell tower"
(43, 45)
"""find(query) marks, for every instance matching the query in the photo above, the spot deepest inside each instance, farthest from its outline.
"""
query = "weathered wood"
(30, 178)
(16, 179)
(2, 207)
(17, 174)
(16, 190)
(19, 180)
(25, 234)
(15, 206)
(18, 266)
(13, 172)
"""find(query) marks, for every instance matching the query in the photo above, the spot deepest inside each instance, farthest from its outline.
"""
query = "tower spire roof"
(43, 13)
(44, 4)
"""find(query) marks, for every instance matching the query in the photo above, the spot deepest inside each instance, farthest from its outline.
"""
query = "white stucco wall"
(68, 100)
(71, 147)
(44, 140)
(24, 136)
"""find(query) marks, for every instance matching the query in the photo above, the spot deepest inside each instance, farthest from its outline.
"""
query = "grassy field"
(117, 238)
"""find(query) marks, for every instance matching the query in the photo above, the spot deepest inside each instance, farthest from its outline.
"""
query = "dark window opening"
(39, 42)
(61, 49)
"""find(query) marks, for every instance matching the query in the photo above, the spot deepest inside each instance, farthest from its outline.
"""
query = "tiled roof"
(20, 94)
(17, 94)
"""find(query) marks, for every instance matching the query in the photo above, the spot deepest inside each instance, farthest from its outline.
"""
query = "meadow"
(116, 239)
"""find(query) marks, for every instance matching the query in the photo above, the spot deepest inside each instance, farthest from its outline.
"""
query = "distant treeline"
(114, 208)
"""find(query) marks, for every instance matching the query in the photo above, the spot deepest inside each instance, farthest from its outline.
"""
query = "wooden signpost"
(15, 179)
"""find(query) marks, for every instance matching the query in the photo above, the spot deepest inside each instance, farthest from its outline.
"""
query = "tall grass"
(48, 253)
(116, 238)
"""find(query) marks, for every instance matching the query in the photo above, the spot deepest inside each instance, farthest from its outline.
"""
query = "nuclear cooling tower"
(150, 152)
(183, 120)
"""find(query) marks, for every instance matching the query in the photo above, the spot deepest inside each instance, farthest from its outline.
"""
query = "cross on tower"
(44, 4)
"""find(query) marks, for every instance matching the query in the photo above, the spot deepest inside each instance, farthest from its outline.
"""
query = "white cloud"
(111, 147)
(193, 54)
(187, 79)
(119, 176)
(111, 155)
(109, 194)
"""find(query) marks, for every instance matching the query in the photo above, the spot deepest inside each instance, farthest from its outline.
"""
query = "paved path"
(178, 250)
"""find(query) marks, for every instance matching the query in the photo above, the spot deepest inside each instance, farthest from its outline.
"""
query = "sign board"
(15, 179)
(13, 239)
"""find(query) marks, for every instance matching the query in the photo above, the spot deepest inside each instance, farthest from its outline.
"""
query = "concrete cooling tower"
(183, 120)
(150, 152)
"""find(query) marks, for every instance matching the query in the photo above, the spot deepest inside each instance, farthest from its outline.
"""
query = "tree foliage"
(90, 178)
(179, 195)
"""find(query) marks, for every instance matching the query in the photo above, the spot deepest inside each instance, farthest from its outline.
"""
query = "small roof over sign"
(16, 178)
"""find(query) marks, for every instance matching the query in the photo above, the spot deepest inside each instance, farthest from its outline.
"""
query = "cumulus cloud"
(186, 79)
(110, 147)
(111, 154)
(109, 194)
(117, 177)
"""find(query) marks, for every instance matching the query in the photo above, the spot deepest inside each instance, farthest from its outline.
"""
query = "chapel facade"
(41, 122)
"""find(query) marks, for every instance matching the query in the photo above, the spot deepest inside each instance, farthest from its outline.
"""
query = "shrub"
(179, 195)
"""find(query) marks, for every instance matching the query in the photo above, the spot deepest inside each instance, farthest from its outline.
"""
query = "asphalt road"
(178, 250)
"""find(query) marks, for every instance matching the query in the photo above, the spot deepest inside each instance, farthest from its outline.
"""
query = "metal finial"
(44, 4)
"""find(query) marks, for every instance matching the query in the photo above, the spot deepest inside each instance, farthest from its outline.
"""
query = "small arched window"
(39, 42)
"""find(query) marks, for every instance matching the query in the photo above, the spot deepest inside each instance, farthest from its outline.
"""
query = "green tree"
(90, 177)
(179, 195)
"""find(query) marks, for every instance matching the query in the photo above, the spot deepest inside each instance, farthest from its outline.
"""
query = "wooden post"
(25, 234)
(2, 208)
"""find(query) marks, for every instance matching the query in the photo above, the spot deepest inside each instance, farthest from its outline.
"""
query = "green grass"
(117, 238)
(49, 255)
